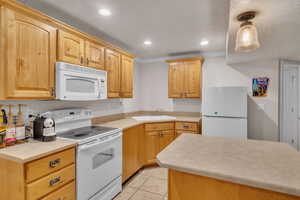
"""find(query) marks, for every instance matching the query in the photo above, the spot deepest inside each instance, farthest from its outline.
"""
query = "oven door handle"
(86, 146)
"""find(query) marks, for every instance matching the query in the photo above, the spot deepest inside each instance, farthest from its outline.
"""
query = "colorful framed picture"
(260, 86)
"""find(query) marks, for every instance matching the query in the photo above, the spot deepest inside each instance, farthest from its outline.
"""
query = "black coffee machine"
(44, 129)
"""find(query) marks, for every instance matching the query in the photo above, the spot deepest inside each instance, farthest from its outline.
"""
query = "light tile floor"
(147, 184)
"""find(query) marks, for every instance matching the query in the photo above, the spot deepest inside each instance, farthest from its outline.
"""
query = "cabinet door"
(192, 80)
(30, 57)
(94, 54)
(112, 65)
(176, 80)
(70, 48)
(127, 77)
(132, 151)
(165, 139)
(152, 146)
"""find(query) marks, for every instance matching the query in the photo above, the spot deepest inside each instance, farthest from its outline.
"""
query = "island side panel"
(184, 186)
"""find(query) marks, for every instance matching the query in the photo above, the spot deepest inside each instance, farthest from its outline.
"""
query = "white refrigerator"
(224, 112)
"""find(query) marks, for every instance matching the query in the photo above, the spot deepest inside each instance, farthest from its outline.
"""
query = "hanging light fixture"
(246, 38)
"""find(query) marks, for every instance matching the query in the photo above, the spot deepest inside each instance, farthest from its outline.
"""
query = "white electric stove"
(99, 153)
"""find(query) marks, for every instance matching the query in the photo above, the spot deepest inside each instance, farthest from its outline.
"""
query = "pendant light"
(247, 38)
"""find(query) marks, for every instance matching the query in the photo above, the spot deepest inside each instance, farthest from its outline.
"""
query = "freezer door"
(226, 127)
(225, 102)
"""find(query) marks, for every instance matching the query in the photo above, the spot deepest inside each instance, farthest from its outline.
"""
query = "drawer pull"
(54, 163)
(185, 126)
(54, 181)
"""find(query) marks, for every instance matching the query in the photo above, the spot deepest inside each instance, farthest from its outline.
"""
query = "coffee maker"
(44, 129)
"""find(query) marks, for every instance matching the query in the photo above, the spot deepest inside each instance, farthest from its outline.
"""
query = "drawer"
(169, 132)
(50, 183)
(189, 126)
(178, 133)
(65, 193)
(49, 164)
(160, 133)
(159, 126)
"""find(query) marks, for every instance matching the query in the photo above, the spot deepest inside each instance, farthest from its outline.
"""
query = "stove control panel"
(69, 115)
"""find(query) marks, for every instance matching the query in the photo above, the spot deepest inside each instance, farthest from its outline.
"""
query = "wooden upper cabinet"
(113, 68)
(30, 56)
(126, 77)
(185, 78)
(94, 55)
(192, 80)
(70, 48)
(176, 80)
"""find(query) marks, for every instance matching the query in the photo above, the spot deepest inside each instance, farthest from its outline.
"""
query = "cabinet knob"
(87, 61)
(81, 59)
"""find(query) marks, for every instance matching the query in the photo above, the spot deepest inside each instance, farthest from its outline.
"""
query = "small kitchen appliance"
(98, 157)
(44, 129)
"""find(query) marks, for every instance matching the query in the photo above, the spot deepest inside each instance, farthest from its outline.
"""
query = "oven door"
(98, 164)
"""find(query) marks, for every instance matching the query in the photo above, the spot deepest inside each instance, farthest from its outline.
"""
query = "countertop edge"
(41, 155)
(137, 123)
(236, 180)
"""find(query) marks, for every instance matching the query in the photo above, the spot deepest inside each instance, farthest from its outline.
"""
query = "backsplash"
(99, 108)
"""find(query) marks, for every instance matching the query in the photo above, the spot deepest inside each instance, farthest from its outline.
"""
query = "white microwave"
(77, 83)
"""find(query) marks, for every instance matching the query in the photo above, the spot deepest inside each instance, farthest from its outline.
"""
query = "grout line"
(133, 194)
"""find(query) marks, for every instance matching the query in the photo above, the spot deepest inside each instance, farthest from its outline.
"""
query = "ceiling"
(174, 26)
(278, 27)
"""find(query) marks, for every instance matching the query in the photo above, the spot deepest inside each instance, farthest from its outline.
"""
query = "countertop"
(268, 165)
(130, 122)
(33, 149)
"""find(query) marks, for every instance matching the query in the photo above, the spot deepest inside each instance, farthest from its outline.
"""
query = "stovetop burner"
(85, 132)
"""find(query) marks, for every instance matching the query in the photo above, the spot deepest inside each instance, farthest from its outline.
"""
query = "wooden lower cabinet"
(187, 127)
(142, 143)
(157, 140)
(49, 178)
(50, 183)
(165, 139)
(179, 132)
(151, 146)
(133, 151)
(184, 186)
(65, 193)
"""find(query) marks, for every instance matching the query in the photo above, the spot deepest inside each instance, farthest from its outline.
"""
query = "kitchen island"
(217, 168)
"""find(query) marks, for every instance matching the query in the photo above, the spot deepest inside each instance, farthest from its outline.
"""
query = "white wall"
(154, 90)
(262, 112)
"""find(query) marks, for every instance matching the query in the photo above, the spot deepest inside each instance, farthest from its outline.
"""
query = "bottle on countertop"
(29, 126)
(2, 127)
(10, 137)
(20, 126)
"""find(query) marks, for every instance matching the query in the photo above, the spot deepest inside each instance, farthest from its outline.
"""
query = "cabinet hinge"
(53, 92)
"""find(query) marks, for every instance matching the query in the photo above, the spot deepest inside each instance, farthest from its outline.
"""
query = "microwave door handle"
(86, 146)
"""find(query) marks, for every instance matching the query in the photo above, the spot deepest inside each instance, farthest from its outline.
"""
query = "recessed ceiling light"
(147, 42)
(204, 42)
(104, 12)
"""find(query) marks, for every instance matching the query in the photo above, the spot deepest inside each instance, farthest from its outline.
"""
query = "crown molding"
(163, 59)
